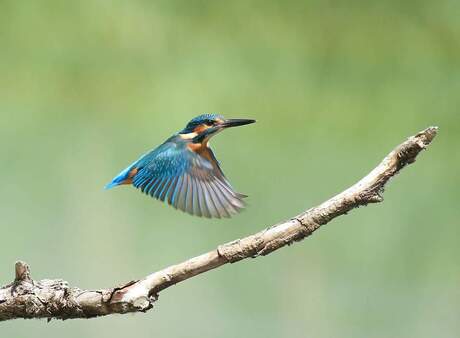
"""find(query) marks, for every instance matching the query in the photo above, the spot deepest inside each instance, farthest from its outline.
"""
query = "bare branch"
(26, 298)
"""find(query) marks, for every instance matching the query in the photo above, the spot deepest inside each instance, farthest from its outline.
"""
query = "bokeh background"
(87, 86)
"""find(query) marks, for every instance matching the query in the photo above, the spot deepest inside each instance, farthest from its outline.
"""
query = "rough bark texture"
(26, 298)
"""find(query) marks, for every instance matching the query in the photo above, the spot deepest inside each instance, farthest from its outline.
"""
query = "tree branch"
(26, 298)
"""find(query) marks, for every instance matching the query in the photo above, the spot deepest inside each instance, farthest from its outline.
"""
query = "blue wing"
(187, 181)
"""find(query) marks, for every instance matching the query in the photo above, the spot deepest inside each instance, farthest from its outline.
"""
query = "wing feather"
(187, 181)
(210, 201)
(172, 196)
(150, 184)
(222, 205)
(189, 196)
(207, 208)
(157, 185)
(201, 199)
(182, 194)
(164, 190)
(230, 195)
(197, 210)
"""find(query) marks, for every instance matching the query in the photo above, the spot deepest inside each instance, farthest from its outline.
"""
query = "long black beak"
(236, 122)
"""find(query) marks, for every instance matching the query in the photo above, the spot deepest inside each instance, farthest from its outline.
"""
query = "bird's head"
(202, 127)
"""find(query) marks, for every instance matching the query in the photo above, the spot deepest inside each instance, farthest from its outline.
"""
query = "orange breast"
(201, 149)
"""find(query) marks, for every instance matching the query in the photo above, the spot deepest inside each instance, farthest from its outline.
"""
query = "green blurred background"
(87, 86)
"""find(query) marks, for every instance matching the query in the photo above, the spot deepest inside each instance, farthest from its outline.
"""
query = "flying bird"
(184, 172)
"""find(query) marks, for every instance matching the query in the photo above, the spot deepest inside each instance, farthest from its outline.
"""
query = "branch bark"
(55, 299)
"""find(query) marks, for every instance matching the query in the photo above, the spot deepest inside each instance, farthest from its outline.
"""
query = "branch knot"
(22, 272)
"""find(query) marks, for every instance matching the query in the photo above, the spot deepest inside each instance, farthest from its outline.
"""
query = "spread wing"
(188, 181)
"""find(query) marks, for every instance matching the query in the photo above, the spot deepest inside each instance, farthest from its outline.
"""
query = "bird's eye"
(209, 123)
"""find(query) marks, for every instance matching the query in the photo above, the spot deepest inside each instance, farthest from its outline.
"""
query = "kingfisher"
(184, 172)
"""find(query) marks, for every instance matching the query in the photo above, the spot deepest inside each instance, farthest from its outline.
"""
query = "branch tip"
(425, 137)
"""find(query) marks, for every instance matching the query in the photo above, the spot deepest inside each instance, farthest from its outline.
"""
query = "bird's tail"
(121, 178)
